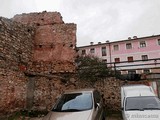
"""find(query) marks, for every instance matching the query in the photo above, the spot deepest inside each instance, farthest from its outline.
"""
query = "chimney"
(134, 37)
(91, 43)
(129, 38)
(107, 41)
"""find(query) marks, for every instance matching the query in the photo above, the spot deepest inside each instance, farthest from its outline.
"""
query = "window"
(158, 41)
(104, 51)
(104, 60)
(83, 52)
(144, 57)
(146, 71)
(115, 47)
(117, 60)
(130, 59)
(74, 102)
(92, 50)
(142, 44)
(128, 46)
(132, 72)
(142, 103)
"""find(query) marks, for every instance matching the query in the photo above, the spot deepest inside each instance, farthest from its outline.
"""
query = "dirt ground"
(109, 116)
(112, 117)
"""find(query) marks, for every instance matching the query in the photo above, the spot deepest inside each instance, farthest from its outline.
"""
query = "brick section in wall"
(54, 42)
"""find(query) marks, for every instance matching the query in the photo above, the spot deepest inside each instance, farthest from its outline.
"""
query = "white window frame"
(116, 47)
(142, 44)
(92, 50)
(158, 41)
(104, 51)
(144, 57)
(128, 45)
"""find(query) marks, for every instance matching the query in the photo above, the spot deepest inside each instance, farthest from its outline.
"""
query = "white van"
(138, 102)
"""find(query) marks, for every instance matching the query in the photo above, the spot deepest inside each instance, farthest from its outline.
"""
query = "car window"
(74, 102)
(142, 103)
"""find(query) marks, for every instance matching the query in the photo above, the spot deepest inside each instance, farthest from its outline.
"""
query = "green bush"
(92, 68)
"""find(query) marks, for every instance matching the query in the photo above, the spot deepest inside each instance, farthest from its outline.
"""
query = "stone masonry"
(16, 43)
(37, 52)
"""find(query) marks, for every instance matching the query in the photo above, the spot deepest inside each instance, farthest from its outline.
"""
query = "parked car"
(78, 105)
(139, 102)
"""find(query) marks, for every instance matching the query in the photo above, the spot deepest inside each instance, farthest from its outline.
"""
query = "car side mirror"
(122, 108)
(97, 105)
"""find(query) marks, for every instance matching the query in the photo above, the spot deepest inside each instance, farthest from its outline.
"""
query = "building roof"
(107, 43)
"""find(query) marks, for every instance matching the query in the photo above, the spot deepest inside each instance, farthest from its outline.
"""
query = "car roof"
(136, 93)
(136, 87)
(137, 90)
(79, 91)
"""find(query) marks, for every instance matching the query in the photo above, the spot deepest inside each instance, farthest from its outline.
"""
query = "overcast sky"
(97, 20)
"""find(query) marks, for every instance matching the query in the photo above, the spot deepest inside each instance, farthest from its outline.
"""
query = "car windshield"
(142, 103)
(74, 102)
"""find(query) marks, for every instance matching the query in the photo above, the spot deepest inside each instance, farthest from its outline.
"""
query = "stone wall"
(37, 51)
(13, 91)
(110, 89)
(16, 43)
(15, 52)
(47, 90)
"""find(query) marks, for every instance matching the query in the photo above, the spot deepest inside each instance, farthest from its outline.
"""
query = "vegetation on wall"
(92, 68)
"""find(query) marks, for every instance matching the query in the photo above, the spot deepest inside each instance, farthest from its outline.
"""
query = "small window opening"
(28, 30)
(71, 45)
(52, 45)
(38, 24)
(40, 46)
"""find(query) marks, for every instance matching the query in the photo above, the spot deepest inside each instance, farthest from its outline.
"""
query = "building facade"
(134, 55)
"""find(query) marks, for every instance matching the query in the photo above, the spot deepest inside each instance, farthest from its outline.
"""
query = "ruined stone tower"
(54, 41)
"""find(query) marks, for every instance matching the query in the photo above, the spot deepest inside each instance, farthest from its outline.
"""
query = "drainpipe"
(110, 54)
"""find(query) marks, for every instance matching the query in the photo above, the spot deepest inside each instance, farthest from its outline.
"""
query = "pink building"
(137, 55)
